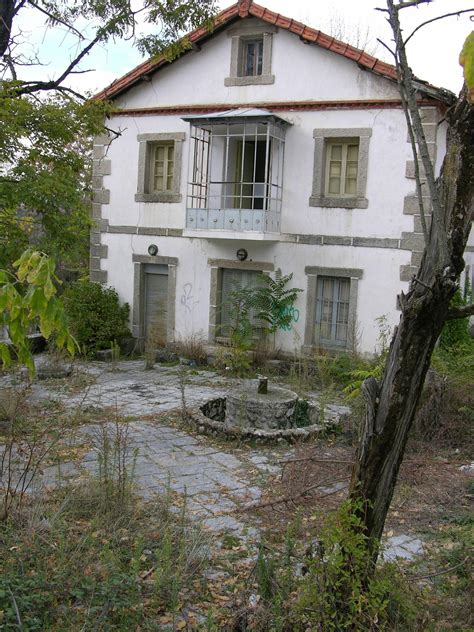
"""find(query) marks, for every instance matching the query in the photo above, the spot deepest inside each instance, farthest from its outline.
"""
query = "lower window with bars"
(332, 311)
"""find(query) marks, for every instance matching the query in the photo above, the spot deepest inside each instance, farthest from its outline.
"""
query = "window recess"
(159, 167)
(341, 161)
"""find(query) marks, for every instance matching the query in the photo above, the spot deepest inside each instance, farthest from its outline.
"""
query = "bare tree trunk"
(7, 11)
(391, 404)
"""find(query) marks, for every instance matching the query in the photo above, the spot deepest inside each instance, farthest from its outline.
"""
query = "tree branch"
(411, 3)
(57, 19)
(438, 232)
(460, 312)
(440, 17)
(55, 84)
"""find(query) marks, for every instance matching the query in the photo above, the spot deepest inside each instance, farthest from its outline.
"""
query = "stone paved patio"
(215, 481)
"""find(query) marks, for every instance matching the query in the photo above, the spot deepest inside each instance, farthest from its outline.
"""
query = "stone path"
(215, 481)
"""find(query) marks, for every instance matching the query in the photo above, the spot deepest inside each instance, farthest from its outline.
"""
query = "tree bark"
(7, 11)
(391, 404)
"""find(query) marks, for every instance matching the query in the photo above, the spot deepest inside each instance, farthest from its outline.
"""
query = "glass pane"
(336, 152)
(253, 58)
(351, 186)
(335, 168)
(332, 309)
(334, 185)
(353, 152)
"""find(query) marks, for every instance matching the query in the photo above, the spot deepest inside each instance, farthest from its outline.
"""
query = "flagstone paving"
(216, 481)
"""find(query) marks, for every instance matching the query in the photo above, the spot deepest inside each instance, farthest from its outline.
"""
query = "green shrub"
(456, 332)
(95, 316)
(334, 594)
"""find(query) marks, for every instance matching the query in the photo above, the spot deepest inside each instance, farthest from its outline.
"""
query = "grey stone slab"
(402, 546)
(227, 460)
(222, 523)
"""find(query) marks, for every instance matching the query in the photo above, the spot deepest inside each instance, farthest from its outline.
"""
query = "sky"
(433, 52)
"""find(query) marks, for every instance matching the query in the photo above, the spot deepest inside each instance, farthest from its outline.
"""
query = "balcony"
(235, 184)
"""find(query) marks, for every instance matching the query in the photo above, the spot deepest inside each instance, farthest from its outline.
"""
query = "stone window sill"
(258, 80)
(339, 202)
(165, 198)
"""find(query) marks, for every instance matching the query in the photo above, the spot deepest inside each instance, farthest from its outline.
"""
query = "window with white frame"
(159, 167)
(342, 166)
(341, 159)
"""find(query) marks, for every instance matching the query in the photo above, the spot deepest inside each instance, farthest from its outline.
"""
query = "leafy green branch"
(28, 296)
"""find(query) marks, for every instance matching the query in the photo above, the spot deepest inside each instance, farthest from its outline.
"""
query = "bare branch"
(410, 3)
(440, 17)
(55, 84)
(460, 312)
(387, 47)
(408, 92)
(56, 19)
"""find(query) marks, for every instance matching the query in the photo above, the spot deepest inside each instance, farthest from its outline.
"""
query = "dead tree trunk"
(391, 404)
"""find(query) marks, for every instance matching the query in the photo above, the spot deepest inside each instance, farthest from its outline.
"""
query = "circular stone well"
(272, 410)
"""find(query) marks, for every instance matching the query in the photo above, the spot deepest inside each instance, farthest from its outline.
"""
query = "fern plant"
(273, 301)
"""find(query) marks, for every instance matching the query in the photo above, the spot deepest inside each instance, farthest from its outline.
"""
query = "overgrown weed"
(93, 556)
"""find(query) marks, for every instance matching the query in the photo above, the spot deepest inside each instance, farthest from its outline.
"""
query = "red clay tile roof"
(247, 8)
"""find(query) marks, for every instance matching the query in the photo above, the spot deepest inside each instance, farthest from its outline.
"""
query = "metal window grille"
(332, 310)
(236, 166)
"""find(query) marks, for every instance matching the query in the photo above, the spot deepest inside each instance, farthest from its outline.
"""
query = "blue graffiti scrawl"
(294, 316)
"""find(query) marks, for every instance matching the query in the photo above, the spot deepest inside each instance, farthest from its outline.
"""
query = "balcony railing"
(236, 172)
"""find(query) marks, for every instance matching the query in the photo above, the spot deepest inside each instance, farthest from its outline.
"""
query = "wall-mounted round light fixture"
(242, 254)
(152, 250)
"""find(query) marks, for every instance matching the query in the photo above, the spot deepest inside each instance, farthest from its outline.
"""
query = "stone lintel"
(167, 261)
(376, 242)
(353, 273)
(240, 265)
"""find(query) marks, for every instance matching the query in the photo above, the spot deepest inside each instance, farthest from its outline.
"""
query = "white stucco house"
(270, 147)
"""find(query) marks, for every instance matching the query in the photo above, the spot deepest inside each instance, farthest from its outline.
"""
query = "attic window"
(251, 55)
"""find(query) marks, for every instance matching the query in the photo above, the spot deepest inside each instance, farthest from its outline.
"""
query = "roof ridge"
(246, 8)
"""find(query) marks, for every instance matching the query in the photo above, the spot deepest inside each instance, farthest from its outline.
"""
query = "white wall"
(313, 73)
(377, 289)
(302, 73)
(386, 184)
